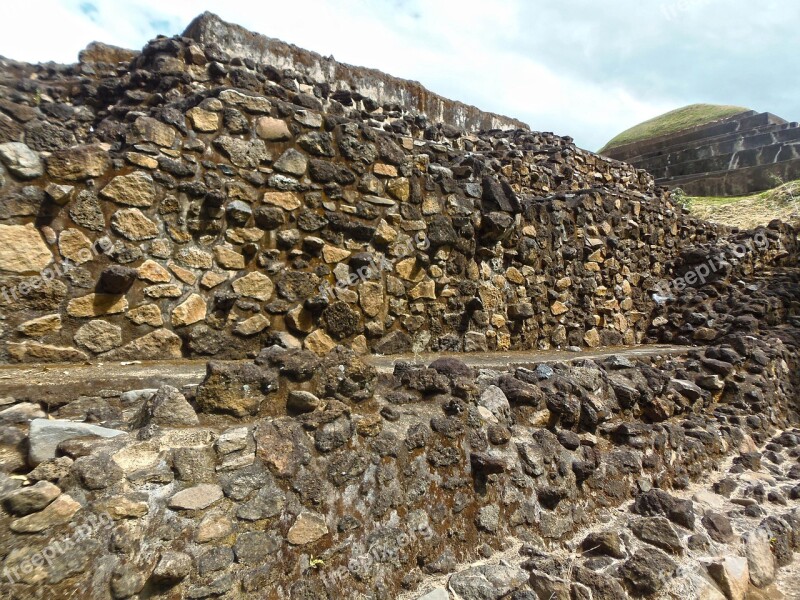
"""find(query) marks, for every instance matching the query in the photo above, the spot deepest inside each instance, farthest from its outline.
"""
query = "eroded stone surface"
(22, 250)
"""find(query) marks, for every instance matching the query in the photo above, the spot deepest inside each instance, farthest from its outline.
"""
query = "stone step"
(773, 153)
(734, 183)
(741, 122)
(753, 138)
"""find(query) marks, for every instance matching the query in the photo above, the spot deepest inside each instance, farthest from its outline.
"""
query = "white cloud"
(573, 67)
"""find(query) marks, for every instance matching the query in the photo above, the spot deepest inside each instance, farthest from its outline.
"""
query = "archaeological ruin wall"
(190, 200)
(222, 195)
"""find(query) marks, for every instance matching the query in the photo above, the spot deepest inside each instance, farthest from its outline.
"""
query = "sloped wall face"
(189, 204)
(348, 83)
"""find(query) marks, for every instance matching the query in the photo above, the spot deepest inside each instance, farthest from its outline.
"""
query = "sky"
(583, 68)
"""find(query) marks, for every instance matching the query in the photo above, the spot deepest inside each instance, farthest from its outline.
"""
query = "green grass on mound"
(674, 121)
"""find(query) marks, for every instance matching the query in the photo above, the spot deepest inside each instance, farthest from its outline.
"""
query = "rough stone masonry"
(223, 195)
(188, 201)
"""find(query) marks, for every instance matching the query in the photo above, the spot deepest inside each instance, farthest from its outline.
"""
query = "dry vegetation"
(782, 203)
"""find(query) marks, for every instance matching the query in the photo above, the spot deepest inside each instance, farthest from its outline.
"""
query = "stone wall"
(182, 202)
(347, 83)
(300, 476)
(186, 202)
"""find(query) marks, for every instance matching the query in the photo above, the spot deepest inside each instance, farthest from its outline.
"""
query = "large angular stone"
(285, 200)
(333, 254)
(254, 285)
(549, 586)
(371, 298)
(487, 582)
(196, 498)
(37, 352)
(691, 581)
(308, 528)
(732, 575)
(248, 154)
(760, 560)
(494, 400)
(399, 188)
(319, 342)
(116, 279)
(282, 445)
(148, 129)
(79, 162)
(317, 143)
(291, 162)
(158, 345)
(10, 131)
(75, 246)
(659, 532)
(194, 258)
(59, 512)
(394, 342)
(47, 434)
(31, 499)
(86, 211)
(163, 290)
(250, 102)
(135, 189)
(132, 224)
(98, 52)
(148, 314)
(153, 272)
(40, 326)
(231, 388)
(95, 305)
(718, 527)
(253, 325)
(167, 408)
(172, 567)
(22, 250)
(423, 290)
(604, 543)
(99, 336)
(203, 120)
(227, 258)
(191, 310)
(21, 161)
(648, 571)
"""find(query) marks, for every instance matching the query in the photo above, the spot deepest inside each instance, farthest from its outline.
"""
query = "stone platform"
(744, 153)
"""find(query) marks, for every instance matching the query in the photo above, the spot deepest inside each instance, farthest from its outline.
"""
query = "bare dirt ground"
(747, 212)
(56, 383)
(495, 360)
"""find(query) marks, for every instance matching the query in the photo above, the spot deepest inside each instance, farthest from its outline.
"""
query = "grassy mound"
(747, 212)
(673, 121)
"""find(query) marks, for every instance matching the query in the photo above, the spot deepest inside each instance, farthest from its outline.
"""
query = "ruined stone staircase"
(733, 156)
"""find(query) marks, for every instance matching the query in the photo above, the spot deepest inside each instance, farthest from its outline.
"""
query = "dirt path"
(490, 360)
(56, 384)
